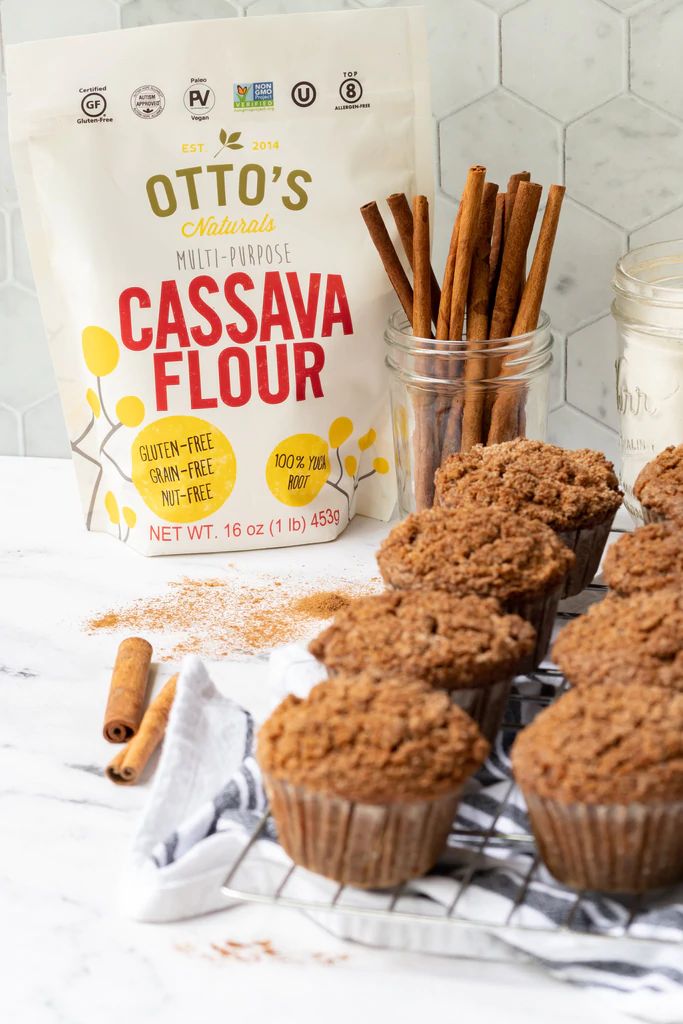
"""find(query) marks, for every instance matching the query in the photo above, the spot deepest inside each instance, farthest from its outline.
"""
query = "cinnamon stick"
(514, 255)
(129, 764)
(127, 690)
(443, 325)
(423, 401)
(389, 257)
(511, 195)
(403, 218)
(422, 318)
(532, 297)
(470, 205)
(508, 407)
(496, 248)
(444, 318)
(478, 323)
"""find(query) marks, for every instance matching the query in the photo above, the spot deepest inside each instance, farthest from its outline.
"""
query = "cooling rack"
(479, 846)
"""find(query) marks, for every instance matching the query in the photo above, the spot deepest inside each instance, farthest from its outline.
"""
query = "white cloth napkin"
(207, 796)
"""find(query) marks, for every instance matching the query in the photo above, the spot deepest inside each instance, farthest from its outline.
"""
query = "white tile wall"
(588, 92)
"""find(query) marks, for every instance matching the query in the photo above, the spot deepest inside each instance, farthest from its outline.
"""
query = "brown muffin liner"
(588, 545)
(485, 704)
(373, 846)
(627, 848)
(540, 611)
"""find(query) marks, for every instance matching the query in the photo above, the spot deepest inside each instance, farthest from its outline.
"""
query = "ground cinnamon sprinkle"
(218, 617)
(322, 605)
(254, 952)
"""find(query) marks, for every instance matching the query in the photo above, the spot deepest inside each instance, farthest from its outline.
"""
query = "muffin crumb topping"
(374, 742)
(650, 558)
(602, 746)
(636, 639)
(563, 489)
(484, 551)
(429, 635)
(659, 485)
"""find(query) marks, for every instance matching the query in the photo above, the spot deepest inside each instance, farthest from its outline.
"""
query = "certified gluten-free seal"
(148, 101)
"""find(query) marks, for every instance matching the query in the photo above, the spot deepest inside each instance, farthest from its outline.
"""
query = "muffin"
(484, 551)
(363, 777)
(650, 558)
(602, 775)
(575, 493)
(636, 639)
(466, 645)
(659, 486)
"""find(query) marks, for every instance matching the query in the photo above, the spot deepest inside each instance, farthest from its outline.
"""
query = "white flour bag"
(213, 305)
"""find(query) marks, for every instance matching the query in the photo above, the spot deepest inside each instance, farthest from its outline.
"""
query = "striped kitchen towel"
(207, 797)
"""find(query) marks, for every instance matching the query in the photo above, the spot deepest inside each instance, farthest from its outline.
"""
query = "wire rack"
(400, 904)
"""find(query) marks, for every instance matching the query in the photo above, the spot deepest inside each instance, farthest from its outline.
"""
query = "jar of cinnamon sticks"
(443, 395)
(470, 358)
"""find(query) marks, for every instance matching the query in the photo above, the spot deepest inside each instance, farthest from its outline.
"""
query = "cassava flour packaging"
(214, 307)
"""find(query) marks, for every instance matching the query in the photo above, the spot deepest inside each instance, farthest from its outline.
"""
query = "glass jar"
(446, 398)
(648, 309)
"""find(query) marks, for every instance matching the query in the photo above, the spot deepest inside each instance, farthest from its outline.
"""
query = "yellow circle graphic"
(297, 469)
(130, 410)
(100, 350)
(184, 468)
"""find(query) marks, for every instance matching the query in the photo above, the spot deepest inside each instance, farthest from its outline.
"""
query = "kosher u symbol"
(304, 94)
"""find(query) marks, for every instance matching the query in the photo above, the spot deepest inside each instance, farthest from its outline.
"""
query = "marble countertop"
(66, 952)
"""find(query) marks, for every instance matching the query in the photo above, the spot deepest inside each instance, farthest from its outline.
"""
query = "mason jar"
(648, 309)
(447, 397)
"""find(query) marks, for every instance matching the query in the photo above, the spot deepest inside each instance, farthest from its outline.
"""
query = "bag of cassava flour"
(214, 307)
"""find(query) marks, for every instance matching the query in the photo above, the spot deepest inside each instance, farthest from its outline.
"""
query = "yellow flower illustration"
(351, 465)
(380, 465)
(112, 508)
(94, 402)
(340, 431)
(367, 440)
(129, 517)
(130, 410)
(100, 350)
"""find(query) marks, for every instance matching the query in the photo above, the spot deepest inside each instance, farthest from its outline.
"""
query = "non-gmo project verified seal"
(253, 96)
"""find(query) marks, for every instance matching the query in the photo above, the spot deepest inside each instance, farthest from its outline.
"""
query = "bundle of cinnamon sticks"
(485, 297)
(126, 720)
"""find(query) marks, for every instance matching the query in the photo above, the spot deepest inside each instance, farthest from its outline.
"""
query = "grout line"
(594, 419)
(38, 401)
(530, 103)
(21, 432)
(653, 220)
(628, 54)
(465, 106)
(601, 216)
(587, 323)
(7, 215)
(592, 110)
(20, 286)
(656, 109)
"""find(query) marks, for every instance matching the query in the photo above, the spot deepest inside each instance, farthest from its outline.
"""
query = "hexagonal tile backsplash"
(587, 92)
